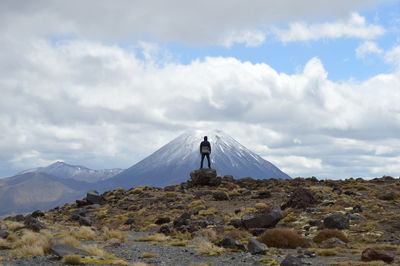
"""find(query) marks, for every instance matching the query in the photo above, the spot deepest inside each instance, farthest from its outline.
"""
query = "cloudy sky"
(312, 86)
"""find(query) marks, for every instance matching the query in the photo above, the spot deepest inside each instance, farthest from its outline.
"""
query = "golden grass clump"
(13, 225)
(282, 238)
(260, 205)
(31, 244)
(207, 233)
(94, 250)
(3, 244)
(238, 234)
(330, 233)
(72, 260)
(155, 237)
(137, 190)
(207, 248)
(112, 233)
(140, 264)
(70, 240)
(209, 211)
(85, 233)
(178, 243)
(148, 255)
(196, 204)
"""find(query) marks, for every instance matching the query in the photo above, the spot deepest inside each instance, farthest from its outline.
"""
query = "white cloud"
(393, 56)
(367, 48)
(354, 27)
(198, 22)
(250, 38)
(101, 106)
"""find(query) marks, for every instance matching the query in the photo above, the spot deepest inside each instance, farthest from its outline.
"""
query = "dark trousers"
(208, 159)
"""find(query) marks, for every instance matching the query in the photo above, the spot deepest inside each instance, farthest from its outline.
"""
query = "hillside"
(313, 222)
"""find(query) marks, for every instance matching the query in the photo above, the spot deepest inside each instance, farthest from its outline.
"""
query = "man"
(205, 150)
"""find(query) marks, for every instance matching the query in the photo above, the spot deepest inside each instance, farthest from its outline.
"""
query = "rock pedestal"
(204, 177)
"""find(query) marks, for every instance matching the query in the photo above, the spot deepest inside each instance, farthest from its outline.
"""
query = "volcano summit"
(172, 163)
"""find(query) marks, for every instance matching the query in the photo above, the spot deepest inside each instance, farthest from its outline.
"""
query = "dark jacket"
(205, 143)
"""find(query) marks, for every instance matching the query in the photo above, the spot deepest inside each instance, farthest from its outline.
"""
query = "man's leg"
(208, 160)
(202, 159)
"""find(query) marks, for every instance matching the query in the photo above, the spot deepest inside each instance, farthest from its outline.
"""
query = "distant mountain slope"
(76, 172)
(173, 162)
(31, 191)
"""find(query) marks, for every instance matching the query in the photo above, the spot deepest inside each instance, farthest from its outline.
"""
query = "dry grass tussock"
(148, 255)
(207, 233)
(155, 237)
(70, 240)
(141, 264)
(112, 233)
(239, 234)
(85, 233)
(330, 233)
(72, 260)
(207, 248)
(282, 238)
(3, 244)
(359, 263)
(32, 244)
(13, 225)
(94, 250)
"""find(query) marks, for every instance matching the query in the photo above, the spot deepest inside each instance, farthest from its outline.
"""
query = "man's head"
(205, 137)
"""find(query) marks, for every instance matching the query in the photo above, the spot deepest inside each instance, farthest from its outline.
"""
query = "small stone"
(81, 203)
(37, 213)
(262, 195)
(220, 195)
(84, 221)
(170, 188)
(237, 223)
(129, 221)
(336, 221)
(291, 260)
(162, 220)
(33, 224)
(256, 247)
(257, 231)
(165, 229)
(371, 254)
(357, 209)
(182, 220)
(4, 234)
(229, 242)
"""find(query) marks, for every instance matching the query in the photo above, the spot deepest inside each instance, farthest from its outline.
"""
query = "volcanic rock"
(266, 219)
(371, 254)
(204, 177)
(93, 197)
(229, 242)
(220, 195)
(162, 220)
(336, 221)
(300, 198)
(291, 260)
(37, 213)
(256, 247)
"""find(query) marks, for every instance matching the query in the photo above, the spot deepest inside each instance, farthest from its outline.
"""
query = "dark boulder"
(371, 254)
(33, 224)
(37, 213)
(204, 177)
(4, 234)
(229, 242)
(300, 198)
(256, 247)
(266, 219)
(291, 260)
(262, 195)
(162, 220)
(182, 220)
(93, 197)
(336, 221)
(220, 196)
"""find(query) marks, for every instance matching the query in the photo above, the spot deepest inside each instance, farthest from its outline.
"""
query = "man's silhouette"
(205, 150)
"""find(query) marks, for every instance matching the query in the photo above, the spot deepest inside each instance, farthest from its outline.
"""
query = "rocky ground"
(211, 220)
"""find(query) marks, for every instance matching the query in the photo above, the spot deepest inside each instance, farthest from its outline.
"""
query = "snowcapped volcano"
(172, 163)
